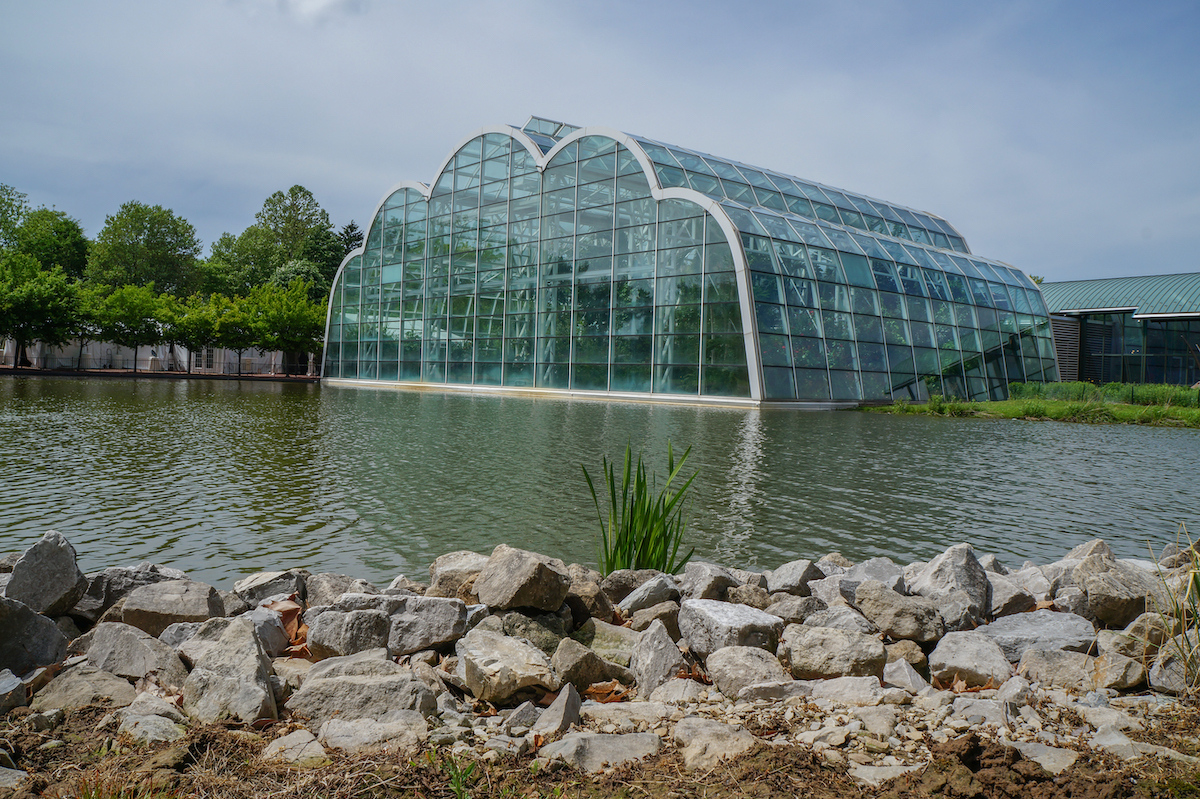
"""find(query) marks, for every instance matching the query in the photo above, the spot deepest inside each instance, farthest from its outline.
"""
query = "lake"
(225, 478)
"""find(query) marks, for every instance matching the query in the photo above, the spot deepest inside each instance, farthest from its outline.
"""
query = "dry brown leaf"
(289, 610)
(606, 692)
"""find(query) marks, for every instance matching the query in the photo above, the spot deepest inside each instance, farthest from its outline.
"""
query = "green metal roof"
(1151, 295)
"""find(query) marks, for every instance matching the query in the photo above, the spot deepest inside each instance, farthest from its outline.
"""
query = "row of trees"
(143, 280)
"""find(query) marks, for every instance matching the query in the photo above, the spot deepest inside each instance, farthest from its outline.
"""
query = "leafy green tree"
(35, 304)
(13, 208)
(191, 323)
(129, 317)
(55, 239)
(86, 325)
(239, 263)
(291, 218)
(237, 326)
(318, 288)
(143, 244)
(323, 248)
(288, 320)
(351, 237)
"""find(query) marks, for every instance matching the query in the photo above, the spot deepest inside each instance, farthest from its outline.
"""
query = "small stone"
(299, 748)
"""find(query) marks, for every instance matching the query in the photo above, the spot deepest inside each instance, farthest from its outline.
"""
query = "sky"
(1060, 137)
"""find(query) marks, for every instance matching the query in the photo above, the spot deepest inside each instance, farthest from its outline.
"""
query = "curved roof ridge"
(1175, 294)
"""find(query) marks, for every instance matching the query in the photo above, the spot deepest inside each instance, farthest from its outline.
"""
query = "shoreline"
(28, 371)
(546, 674)
(1051, 410)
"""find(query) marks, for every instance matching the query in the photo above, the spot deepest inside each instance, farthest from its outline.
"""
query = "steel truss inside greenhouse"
(588, 261)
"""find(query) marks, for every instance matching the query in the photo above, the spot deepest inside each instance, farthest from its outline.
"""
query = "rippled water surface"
(225, 478)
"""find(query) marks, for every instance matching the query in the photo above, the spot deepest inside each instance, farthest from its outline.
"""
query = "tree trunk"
(135, 349)
(79, 360)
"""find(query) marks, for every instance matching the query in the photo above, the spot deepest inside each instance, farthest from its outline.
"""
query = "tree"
(143, 244)
(236, 325)
(86, 325)
(291, 218)
(318, 285)
(288, 320)
(13, 208)
(129, 317)
(193, 323)
(351, 237)
(55, 239)
(35, 304)
(238, 264)
(324, 248)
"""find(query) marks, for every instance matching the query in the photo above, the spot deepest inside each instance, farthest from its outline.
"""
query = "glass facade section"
(557, 258)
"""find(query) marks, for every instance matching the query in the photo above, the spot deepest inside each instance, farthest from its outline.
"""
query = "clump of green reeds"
(1180, 612)
(645, 526)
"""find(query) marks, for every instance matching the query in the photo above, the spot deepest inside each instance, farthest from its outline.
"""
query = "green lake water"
(227, 478)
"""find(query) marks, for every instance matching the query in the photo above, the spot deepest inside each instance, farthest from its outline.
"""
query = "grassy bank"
(1158, 406)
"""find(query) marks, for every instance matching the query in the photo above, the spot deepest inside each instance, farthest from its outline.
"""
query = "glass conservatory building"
(587, 261)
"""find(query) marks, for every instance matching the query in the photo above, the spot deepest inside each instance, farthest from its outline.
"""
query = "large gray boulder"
(106, 587)
(652, 592)
(585, 597)
(195, 646)
(1008, 596)
(793, 577)
(130, 653)
(83, 685)
(1176, 669)
(970, 657)
(706, 581)
(1033, 581)
(260, 586)
(424, 622)
(703, 743)
(366, 685)
(12, 691)
(156, 606)
(574, 663)
(608, 640)
(517, 578)
(1117, 592)
(449, 572)
(594, 752)
(956, 569)
(707, 625)
(496, 668)
(27, 639)
(666, 612)
(401, 737)
(327, 588)
(617, 584)
(46, 578)
(337, 633)
(882, 570)
(900, 617)
(842, 617)
(562, 713)
(299, 748)
(818, 653)
(733, 668)
(795, 609)
(836, 589)
(656, 659)
(1041, 629)
(232, 680)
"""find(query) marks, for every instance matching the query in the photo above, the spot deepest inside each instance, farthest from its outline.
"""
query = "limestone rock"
(1009, 596)
(176, 635)
(12, 691)
(706, 581)
(449, 572)
(1016, 690)
(337, 633)
(1117, 592)
(574, 663)
(854, 691)
(897, 616)
(258, 587)
(1096, 546)
(837, 589)
(901, 674)
(660, 588)
(151, 729)
(881, 570)
(1042, 629)
(496, 667)
(957, 611)
(562, 713)
(793, 577)
(1077, 670)
(517, 578)
(842, 617)
(594, 752)
(232, 679)
(971, 657)
(822, 652)
(608, 640)
(750, 595)
(1072, 599)
(656, 659)
(327, 587)
(956, 569)
(130, 653)
(106, 587)
(1052, 758)
(46, 578)
(426, 623)
(299, 748)
(666, 612)
(875, 776)
(587, 599)
(618, 584)
(83, 685)
(703, 742)
(795, 609)
(27, 639)
(707, 625)
(1033, 581)
(402, 737)
(543, 630)
(366, 685)
(910, 651)
(677, 691)
(733, 668)
(1176, 667)
(147, 704)
(156, 606)
(992, 565)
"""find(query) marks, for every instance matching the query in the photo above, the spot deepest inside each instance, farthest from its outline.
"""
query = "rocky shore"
(873, 667)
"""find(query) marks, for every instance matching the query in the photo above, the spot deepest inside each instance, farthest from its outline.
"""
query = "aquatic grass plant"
(1179, 608)
(645, 525)
(1126, 393)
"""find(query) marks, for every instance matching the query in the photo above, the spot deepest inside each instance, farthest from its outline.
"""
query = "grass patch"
(645, 526)
(1086, 411)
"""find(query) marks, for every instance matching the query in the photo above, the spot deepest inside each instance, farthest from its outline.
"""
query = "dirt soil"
(217, 761)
